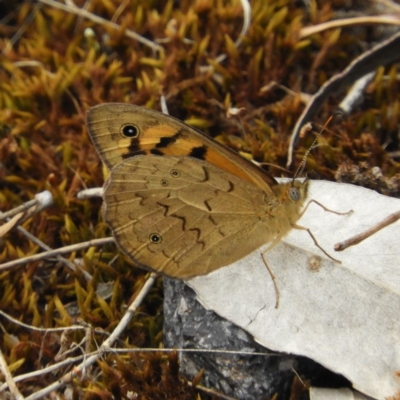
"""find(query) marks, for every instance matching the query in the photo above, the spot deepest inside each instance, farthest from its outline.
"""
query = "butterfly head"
(291, 196)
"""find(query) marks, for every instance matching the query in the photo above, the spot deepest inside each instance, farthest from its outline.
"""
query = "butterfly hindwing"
(181, 216)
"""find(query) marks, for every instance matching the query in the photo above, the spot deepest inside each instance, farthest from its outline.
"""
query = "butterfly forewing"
(120, 131)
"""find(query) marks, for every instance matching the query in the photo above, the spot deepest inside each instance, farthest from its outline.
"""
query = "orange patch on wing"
(159, 131)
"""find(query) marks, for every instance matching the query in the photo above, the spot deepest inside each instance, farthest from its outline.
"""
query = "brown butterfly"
(180, 203)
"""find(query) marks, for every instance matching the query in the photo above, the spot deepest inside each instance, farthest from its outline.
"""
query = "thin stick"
(382, 54)
(71, 360)
(89, 193)
(246, 25)
(44, 330)
(22, 29)
(102, 21)
(212, 392)
(41, 200)
(44, 371)
(11, 223)
(356, 93)
(246, 21)
(80, 369)
(56, 252)
(23, 207)
(339, 23)
(369, 232)
(211, 351)
(120, 10)
(44, 246)
(9, 379)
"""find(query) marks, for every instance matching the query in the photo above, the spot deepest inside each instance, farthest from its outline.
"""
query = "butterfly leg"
(275, 242)
(323, 207)
(366, 234)
(303, 228)
(309, 231)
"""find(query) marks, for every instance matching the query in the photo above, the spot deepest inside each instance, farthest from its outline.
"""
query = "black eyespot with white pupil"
(155, 238)
(175, 173)
(164, 182)
(294, 193)
(130, 131)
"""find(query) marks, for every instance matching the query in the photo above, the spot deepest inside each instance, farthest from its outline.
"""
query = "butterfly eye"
(155, 238)
(294, 193)
(175, 173)
(164, 182)
(130, 131)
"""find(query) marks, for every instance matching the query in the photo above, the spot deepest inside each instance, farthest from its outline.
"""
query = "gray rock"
(187, 325)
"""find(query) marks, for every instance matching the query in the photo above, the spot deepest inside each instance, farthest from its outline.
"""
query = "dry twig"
(86, 14)
(53, 253)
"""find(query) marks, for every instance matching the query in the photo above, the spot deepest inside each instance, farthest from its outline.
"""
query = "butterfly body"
(179, 203)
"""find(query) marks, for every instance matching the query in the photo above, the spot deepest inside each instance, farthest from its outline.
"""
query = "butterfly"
(180, 203)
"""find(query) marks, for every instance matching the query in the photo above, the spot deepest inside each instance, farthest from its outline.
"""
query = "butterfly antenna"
(302, 165)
